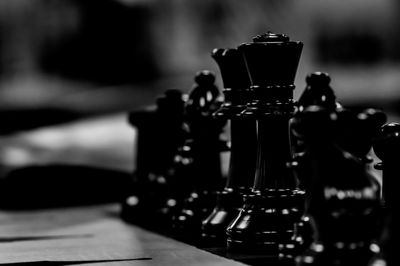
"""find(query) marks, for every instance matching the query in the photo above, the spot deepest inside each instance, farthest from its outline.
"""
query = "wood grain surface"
(89, 235)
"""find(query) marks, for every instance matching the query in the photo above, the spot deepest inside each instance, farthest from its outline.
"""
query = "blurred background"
(51, 52)
(71, 69)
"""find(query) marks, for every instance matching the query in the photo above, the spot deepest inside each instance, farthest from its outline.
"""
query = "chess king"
(274, 204)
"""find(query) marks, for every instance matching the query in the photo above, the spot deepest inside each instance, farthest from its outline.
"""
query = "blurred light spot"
(339, 245)
(318, 247)
(132, 201)
(220, 216)
(379, 263)
(375, 248)
(15, 156)
(209, 96)
(185, 161)
(161, 180)
(51, 139)
(107, 142)
(290, 246)
(171, 202)
(308, 259)
(202, 102)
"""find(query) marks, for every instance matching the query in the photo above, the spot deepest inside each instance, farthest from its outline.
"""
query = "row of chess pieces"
(300, 189)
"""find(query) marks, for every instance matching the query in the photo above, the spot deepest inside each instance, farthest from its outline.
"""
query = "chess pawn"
(386, 148)
(268, 216)
(206, 147)
(317, 93)
(344, 202)
(243, 145)
(155, 154)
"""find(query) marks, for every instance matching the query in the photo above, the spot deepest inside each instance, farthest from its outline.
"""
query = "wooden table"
(90, 235)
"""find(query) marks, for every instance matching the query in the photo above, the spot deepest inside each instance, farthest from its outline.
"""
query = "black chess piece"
(344, 199)
(243, 145)
(386, 147)
(204, 157)
(318, 92)
(270, 211)
(160, 132)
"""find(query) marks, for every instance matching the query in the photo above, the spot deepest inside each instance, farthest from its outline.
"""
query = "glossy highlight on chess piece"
(344, 201)
(268, 216)
(243, 145)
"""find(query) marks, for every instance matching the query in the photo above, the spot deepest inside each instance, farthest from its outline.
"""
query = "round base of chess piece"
(349, 254)
(265, 222)
(229, 202)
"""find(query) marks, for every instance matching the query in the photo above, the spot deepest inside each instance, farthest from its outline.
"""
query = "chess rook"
(273, 206)
(243, 144)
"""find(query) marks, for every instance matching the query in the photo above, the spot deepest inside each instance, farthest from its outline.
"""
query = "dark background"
(52, 47)
(70, 70)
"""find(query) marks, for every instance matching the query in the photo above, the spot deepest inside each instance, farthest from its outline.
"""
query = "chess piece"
(344, 201)
(317, 93)
(243, 145)
(386, 148)
(205, 162)
(274, 205)
(155, 154)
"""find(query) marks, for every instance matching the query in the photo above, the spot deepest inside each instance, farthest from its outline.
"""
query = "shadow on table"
(25, 119)
(51, 186)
